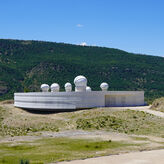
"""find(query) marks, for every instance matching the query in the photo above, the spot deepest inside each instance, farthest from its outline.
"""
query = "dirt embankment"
(158, 104)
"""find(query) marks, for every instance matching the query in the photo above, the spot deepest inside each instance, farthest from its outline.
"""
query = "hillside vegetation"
(25, 65)
(158, 104)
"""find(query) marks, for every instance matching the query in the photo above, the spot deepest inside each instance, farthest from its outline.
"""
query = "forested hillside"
(25, 65)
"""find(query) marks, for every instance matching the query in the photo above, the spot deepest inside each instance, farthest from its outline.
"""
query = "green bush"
(24, 161)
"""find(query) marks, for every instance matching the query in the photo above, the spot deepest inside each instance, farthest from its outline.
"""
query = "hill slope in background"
(25, 65)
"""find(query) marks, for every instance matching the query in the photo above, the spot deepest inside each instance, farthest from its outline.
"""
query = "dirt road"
(145, 157)
(146, 109)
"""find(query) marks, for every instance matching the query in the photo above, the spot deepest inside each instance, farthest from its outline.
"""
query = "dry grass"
(7, 102)
(60, 149)
(45, 148)
(14, 121)
(158, 104)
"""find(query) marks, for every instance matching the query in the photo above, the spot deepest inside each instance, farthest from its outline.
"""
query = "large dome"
(104, 86)
(55, 87)
(80, 81)
(44, 87)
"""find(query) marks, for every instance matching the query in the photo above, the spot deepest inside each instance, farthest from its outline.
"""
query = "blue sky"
(132, 25)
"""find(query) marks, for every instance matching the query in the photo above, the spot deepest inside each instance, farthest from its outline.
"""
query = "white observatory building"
(51, 99)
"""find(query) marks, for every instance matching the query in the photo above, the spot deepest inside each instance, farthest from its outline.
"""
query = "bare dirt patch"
(146, 157)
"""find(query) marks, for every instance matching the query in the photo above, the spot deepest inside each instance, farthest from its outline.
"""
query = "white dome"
(44, 87)
(68, 87)
(88, 89)
(55, 87)
(104, 86)
(80, 81)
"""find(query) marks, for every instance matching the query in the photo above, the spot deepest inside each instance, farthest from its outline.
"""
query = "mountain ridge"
(25, 65)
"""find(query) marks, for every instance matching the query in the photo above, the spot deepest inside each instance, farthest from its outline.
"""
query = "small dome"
(104, 86)
(88, 89)
(55, 87)
(80, 81)
(44, 87)
(68, 87)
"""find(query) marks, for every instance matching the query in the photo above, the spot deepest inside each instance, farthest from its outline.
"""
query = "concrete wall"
(74, 100)
(124, 98)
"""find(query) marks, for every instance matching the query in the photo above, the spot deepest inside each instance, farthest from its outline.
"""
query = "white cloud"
(83, 44)
(79, 25)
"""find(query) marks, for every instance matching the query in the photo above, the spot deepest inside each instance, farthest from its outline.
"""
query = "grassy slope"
(158, 104)
(24, 65)
(14, 121)
(59, 149)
